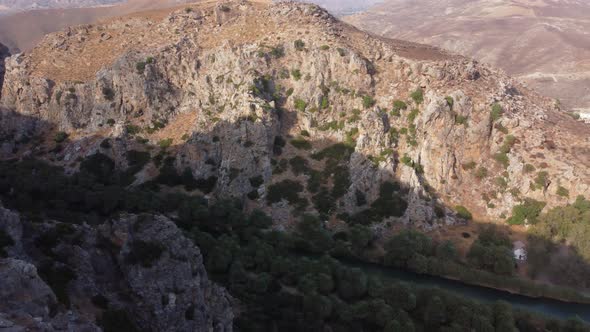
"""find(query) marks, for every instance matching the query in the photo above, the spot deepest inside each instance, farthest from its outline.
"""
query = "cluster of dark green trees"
(287, 281)
(490, 262)
(562, 232)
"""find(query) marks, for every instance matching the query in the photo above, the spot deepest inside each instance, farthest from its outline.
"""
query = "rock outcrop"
(4, 53)
(140, 265)
(219, 82)
(28, 304)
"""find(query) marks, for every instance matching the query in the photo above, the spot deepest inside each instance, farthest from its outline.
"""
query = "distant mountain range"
(344, 7)
(18, 5)
(24, 29)
(546, 43)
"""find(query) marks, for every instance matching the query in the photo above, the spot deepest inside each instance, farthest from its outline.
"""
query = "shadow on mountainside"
(286, 177)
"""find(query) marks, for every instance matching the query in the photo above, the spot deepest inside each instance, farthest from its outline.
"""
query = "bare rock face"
(4, 53)
(219, 88)
(27, 302)
(173, 292)
(11, 226)
(167, 291)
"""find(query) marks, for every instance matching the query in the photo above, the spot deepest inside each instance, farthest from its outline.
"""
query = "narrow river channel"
(543, 306)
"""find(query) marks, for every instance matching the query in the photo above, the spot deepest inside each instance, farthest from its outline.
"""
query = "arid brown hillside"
(544, 43)
(23, 30)
(207, 79)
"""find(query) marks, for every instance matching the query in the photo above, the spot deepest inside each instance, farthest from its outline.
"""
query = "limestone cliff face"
(223, 81)
(4, 53)
(169, 293)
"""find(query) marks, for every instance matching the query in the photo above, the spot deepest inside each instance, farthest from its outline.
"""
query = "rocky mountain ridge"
(540, 42)
(219, 89)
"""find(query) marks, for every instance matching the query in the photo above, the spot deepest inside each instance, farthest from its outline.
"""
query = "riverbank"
(469, 276)
(557, 308)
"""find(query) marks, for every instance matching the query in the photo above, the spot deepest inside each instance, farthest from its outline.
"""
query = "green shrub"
(502, 159)
(501, 182)
(337, 152)
(463, 212)
(99, 165)
(165, 143)
(393, 135)
(299, 165)
(140, 67)
(137, 158)
(286, 189)
(300, 105)
(205, 185)
(324, 203)
(399, 105)
(541, 180)
(562, 191)
(341, 179)
(509, 142)
(461, 120)
(296, 73)
(111, 122)
(277, 52)
(299, 45)
(418, 96)
(144, 253)
(450, 101)
(496, 112)
(481, 172)
(332, 125)
(413, 114)
(469, 166)
(278, 145)
(301, 144)
(529, 168)
(108, 93)
(325, 103)
(529, 210)
(60, 136)
(314, 181)
(132, 129)
(324, 47)
(406, 160)
(368, 102)
(256, 181)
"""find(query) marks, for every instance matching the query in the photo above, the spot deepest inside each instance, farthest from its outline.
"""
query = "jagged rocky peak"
(236, 89)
